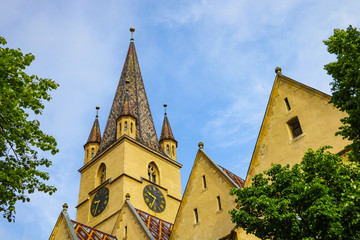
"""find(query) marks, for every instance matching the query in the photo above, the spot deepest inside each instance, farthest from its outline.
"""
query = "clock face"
(99, 201)
(154, 198)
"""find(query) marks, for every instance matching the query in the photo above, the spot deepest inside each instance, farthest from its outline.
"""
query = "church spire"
(94, 139)
(167, 140)
(130, 98)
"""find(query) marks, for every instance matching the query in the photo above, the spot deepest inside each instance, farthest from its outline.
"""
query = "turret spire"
(166, 132)
(95, 135)
(167, 140)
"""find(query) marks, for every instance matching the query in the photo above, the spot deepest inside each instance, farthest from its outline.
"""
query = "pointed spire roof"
(166, 132)
(95, 135)
(133, 102)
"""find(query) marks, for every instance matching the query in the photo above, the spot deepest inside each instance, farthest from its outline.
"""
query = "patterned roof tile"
(87, 233)
(95, 135)
(159, 228)
(131, 80)
(166, 132)
(238, 180)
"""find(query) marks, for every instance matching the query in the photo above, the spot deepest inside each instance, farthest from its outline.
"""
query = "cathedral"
(130, 184)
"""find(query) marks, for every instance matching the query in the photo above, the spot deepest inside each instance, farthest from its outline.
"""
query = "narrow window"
(167, 149)
(295, 127)
(196, 216)
(173, 150)
(125, 232)
(92, 152)
(219, 202)
(204, 181)
(125, 127)
(153, 173)
(87, 153)
(287, 104)
(102, 173)
(131, 127)
(120, 127)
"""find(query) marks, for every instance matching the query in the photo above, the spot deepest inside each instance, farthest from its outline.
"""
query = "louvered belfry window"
(295, 127)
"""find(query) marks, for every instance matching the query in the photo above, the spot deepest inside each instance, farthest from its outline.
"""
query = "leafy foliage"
(20, 138)
(345, 44)
(316, 199)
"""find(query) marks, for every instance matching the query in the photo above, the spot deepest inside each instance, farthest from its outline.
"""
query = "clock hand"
(150, 194)
(97, 204)
(152, 202)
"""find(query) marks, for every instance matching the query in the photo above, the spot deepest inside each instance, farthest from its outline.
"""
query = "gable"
(213, 222)
(297, 117)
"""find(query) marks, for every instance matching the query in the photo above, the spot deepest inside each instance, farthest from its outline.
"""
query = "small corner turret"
(167, 140)
(126, 123)
(92, 145)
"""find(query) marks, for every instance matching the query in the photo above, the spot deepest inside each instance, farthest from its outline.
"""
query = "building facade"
(130, 184)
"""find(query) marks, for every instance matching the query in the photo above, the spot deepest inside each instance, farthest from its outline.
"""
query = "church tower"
(128, 161)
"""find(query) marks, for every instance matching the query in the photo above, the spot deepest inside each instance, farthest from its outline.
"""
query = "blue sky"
(212, 62)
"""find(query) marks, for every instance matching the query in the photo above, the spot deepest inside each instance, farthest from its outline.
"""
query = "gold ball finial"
(132, 29)
(65, 207)
(127, 196)
(97, 107)
(278, 70)
(201, 145)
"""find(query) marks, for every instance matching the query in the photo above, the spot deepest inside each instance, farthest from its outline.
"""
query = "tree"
(20, 136)
(345, 44)
(316, 199)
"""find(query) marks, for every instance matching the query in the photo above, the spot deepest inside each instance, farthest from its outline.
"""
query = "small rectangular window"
(287, 104)
(125, 233)
(295, 127)
(196, 216)
(204, 181)
(219, 202)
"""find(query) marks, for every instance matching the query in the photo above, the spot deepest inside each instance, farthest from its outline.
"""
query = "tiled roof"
(238, 180)
(166, 132)
(159, 228)
(87, 233)
(95, 135)
(132, 81)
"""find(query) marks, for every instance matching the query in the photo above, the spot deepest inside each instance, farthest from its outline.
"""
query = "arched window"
(102, 174)
(125, 127)
(173, 151)
(92, 152)
(167, 149)
(153, 173)
(87, 153)
(131, 127)
(120, 127)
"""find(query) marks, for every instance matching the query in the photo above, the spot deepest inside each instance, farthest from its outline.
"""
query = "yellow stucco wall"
(134, 230)
(127, 172)
(213, 223)
(319, 121)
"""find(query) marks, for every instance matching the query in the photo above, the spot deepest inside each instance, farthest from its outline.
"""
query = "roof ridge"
(238, 180)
